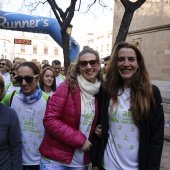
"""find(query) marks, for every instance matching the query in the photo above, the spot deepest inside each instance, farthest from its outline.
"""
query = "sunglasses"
(28, 79)
(93, 63)
(2, 64)
(13, 74)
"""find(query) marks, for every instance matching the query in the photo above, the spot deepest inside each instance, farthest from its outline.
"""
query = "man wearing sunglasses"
(13, 85)
(56, 64)
(4, 69)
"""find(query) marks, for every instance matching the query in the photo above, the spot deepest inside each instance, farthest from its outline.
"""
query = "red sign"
(22, 41)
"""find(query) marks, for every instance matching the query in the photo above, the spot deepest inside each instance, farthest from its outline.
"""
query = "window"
(46, 36)
(100, 38)
(45, 50)
(4, 44)
(109, 35)
(90, 41)
(34, 49)
(55, 51)
(22, 48)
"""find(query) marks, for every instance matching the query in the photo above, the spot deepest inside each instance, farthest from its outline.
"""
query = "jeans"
(47, 165)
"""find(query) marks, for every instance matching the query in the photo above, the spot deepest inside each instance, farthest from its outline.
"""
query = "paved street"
(165, 161)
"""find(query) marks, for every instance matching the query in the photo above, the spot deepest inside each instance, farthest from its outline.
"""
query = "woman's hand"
(98, 130)
(87, 145)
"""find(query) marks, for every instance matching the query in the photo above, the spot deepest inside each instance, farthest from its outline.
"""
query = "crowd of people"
(90, 118)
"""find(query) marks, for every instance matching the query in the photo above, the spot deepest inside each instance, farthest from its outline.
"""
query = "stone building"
(150, 31)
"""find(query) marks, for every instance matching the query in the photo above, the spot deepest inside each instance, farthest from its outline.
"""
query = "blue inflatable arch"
(37, 24)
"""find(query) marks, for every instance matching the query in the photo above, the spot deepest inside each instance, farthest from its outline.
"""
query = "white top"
(6, 77)
(121, 151)
(49, 93)
(12, 88)
(32, 129)
(58, 80)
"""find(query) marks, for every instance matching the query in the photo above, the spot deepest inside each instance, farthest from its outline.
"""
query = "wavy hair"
(74, 70)
(141, 88)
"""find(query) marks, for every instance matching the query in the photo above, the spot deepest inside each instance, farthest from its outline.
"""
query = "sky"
(97, 20)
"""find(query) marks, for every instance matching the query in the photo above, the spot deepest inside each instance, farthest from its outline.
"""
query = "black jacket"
(151, 134)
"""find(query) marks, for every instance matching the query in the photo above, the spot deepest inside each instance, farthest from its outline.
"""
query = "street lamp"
(69, 29)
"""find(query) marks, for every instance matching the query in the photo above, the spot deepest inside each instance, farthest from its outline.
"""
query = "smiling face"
(89, 72)
(127, 64)
(27, 88)
(48, 78)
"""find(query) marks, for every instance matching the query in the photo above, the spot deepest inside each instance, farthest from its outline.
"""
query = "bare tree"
(130, 8)
(4, 3)
(64, 19)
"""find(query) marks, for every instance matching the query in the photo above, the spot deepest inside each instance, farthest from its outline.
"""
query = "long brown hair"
(141, 88)
(53, 86)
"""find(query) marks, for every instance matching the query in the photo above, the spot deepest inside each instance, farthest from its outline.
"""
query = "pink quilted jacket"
(61, 121)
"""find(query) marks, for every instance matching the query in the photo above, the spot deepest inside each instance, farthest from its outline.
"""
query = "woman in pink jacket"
(71, 116)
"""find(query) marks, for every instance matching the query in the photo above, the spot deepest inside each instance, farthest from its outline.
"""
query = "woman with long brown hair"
(47, 81)
(131, 115)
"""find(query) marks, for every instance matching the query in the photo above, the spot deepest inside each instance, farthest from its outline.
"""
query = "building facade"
(41, 46)
(100, 42)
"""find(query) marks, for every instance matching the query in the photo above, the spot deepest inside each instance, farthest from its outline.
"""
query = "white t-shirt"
(49, 93)
(32, 129)
(121, 151)
(6, 77)
(58, 80)
(12, 88)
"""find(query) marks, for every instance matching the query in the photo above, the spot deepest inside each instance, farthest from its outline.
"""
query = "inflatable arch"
(37, 24)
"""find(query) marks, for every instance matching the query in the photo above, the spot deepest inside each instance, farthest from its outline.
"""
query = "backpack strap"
(10, 102)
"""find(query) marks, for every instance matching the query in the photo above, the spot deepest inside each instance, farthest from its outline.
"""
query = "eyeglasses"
(13, 74)
(2, 64)
(28, 79)
(93, 63)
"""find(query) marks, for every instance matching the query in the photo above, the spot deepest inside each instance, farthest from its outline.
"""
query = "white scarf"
(88, 90)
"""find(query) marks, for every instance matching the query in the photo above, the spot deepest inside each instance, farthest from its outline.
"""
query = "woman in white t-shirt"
(47, 81)
(131, 115)
(30, 104)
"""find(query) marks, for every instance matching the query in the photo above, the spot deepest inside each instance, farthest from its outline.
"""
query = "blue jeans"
(47, 165)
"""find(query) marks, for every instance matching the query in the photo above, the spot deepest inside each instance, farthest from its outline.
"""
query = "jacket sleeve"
(15, 143)
(54, 123)
(96, 141)
(156, 132)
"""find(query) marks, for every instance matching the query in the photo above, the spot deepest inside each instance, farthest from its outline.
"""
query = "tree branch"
(51, 2)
